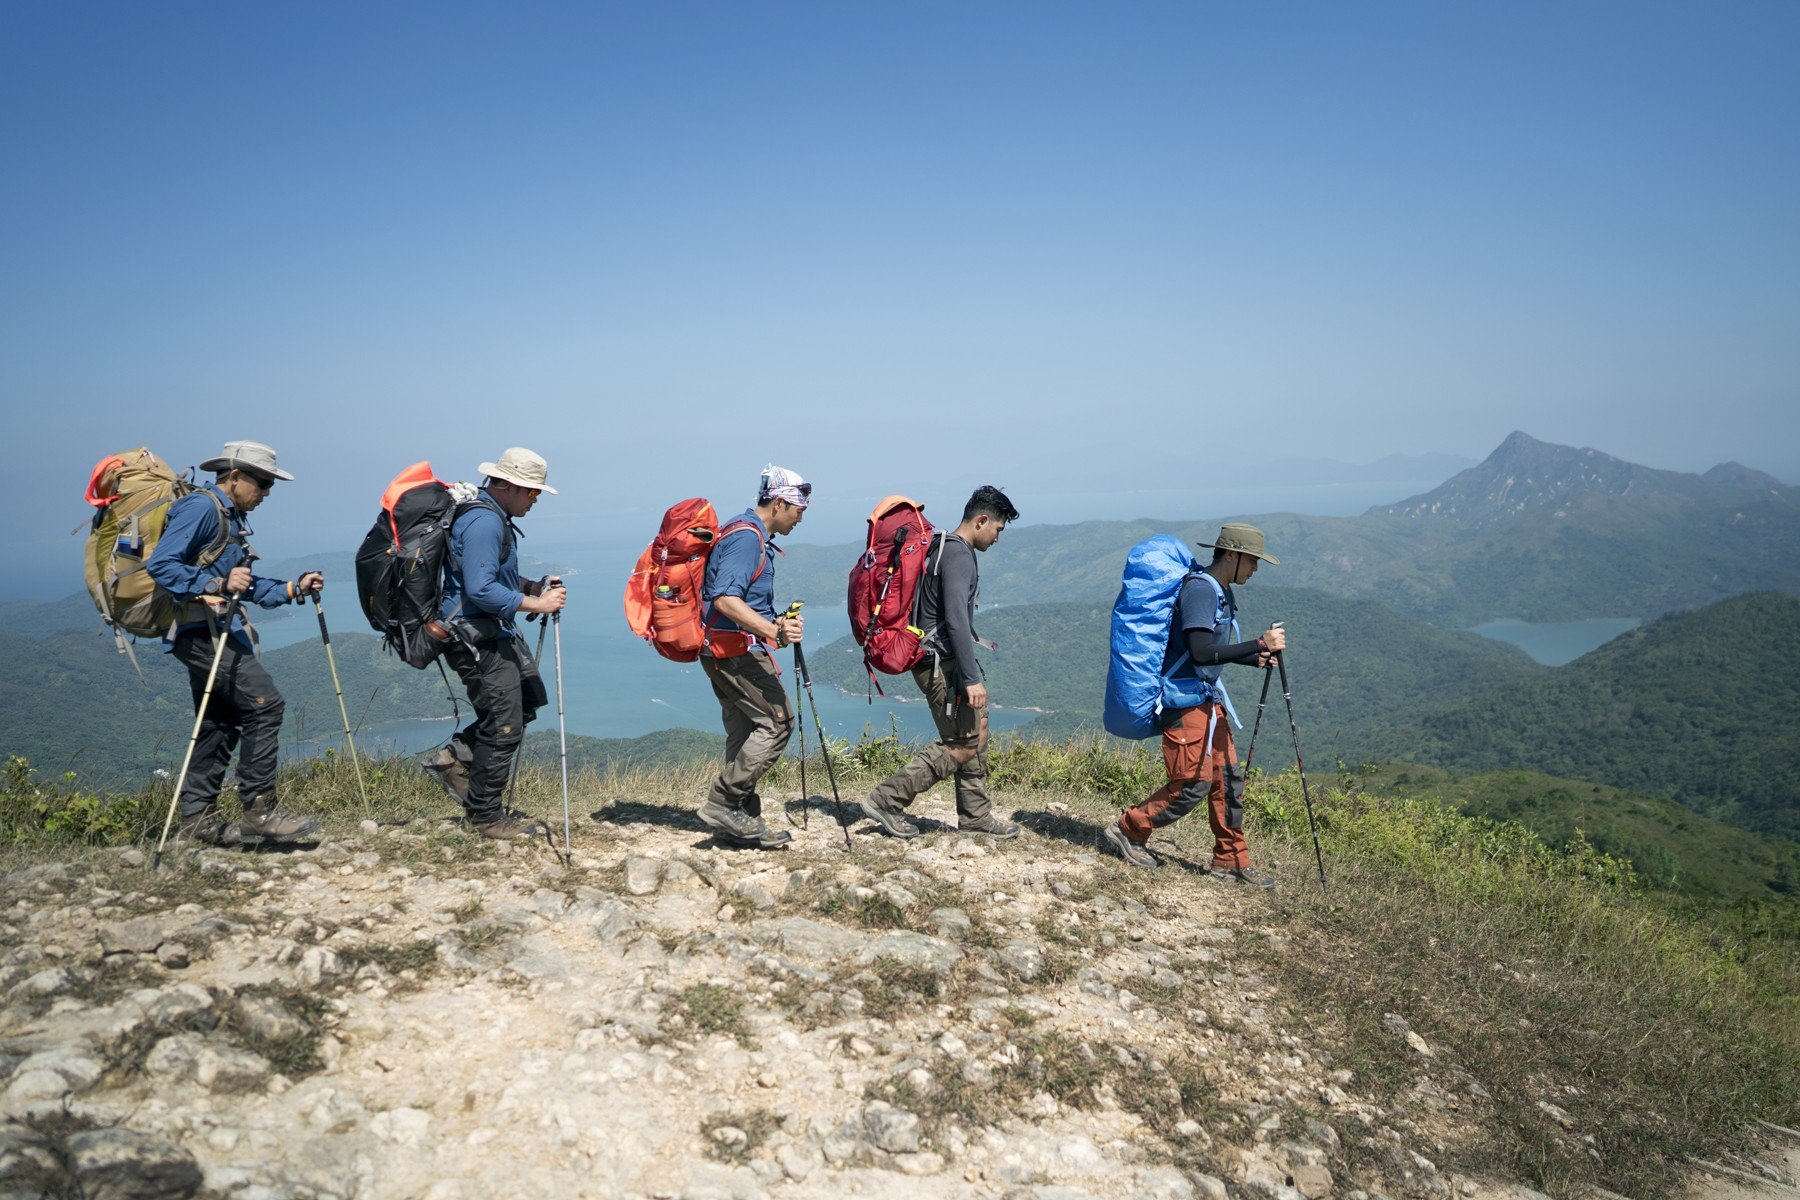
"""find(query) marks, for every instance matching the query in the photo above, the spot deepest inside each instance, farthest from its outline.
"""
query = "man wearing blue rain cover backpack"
(1194, 712)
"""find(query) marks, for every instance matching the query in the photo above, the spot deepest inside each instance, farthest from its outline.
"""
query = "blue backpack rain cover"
(1141, 619)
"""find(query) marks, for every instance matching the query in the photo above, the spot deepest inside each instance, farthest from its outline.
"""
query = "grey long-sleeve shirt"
(947, 608)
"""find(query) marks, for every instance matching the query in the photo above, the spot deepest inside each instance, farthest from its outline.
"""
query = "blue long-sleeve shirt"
(192, 526)
(481, 574)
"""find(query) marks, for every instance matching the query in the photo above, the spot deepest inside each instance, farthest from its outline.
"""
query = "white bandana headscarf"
(779, 483)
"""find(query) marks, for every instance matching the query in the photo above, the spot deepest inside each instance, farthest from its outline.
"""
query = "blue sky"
(1119, 258)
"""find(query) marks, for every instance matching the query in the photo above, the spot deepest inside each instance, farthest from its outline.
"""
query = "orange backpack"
(662, 597)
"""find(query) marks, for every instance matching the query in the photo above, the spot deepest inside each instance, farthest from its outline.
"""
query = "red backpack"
(662, 597)
(884, 587)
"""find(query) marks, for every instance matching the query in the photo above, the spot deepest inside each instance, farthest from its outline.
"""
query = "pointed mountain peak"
(1737, 475)
(1525, 475)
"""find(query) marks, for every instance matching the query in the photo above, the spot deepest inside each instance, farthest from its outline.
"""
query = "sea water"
(1554, 643)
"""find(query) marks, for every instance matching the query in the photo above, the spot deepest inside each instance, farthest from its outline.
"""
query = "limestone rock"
(642, 874)
(123, 1164)
(222, 1067)
(141, 936)
(1022, 959)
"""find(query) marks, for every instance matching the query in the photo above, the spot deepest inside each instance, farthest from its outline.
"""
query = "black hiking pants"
(506, 691)
(246, 708)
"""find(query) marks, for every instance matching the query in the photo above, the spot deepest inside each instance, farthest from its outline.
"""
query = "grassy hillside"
(1668, 846)
(1350, 662)
(70, 701)
(1702, 708)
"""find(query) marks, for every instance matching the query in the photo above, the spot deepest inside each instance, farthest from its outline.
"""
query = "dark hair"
(990, 500)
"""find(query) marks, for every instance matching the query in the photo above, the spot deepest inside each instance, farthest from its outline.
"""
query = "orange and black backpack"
(400, 565)
(662, 596)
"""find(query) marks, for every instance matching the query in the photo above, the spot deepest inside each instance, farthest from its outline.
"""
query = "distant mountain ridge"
(1524, 475)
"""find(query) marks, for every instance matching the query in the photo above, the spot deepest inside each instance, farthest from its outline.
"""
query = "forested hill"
(1536, 532)
(1703, 708)
(70, 700)
(1352, 661)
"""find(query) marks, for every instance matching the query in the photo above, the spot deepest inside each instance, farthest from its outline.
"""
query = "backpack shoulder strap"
(220, 539)
(738, 526)
(508, 531)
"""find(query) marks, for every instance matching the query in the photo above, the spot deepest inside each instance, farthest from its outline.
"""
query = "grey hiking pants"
(758, 722)
(962, 725)
(245, 706)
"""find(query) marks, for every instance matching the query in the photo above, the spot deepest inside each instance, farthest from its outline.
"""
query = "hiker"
(482, 595)
(742, 634)
(1199, 755)
(203, 560)
(950, 677)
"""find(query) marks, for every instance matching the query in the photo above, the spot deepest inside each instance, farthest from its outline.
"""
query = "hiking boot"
(509, 827)
(891, 817)
(209, 827)
(1135, 853)
(738, 827)
(266, 821)
(451, 772)
(1242, 875)
(991, 825)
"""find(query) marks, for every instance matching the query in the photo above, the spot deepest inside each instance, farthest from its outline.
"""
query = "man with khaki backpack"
(203, 561)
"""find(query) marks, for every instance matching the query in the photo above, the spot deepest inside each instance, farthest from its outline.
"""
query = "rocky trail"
(407, 1011)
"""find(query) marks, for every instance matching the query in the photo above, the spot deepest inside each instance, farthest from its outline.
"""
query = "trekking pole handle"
(541, 584)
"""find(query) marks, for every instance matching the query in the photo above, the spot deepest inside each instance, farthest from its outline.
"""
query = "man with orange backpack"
(742, 632)
(951, 678)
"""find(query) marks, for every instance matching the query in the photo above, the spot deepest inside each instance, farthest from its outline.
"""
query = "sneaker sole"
(998, 837)
(309, 832)
(1116, 840)
(884, 820)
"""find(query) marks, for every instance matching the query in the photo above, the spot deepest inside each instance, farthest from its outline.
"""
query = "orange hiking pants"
(1197, 771)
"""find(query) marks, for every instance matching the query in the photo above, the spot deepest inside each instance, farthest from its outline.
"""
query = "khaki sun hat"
(1245, 539)
(522, 467)
(246, 456)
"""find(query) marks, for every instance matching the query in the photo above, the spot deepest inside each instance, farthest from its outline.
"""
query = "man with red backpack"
(742, 634)
(950, 676)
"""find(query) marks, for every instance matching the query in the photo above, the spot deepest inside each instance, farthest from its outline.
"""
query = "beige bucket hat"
(246, 456)
(1245, 539)
(521, 466)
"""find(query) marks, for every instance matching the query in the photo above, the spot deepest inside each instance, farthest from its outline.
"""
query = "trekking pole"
(512, 776)
(1288, 696)
(1261, 702)
(805, 821)
(336, 686)
(818, 726)
(187, 759)
(562, 734)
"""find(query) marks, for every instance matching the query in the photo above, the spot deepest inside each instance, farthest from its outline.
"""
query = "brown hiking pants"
(1197, 771)
(962, 725)
(758, 722)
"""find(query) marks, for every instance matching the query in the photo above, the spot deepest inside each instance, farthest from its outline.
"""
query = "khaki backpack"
(133, 491)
